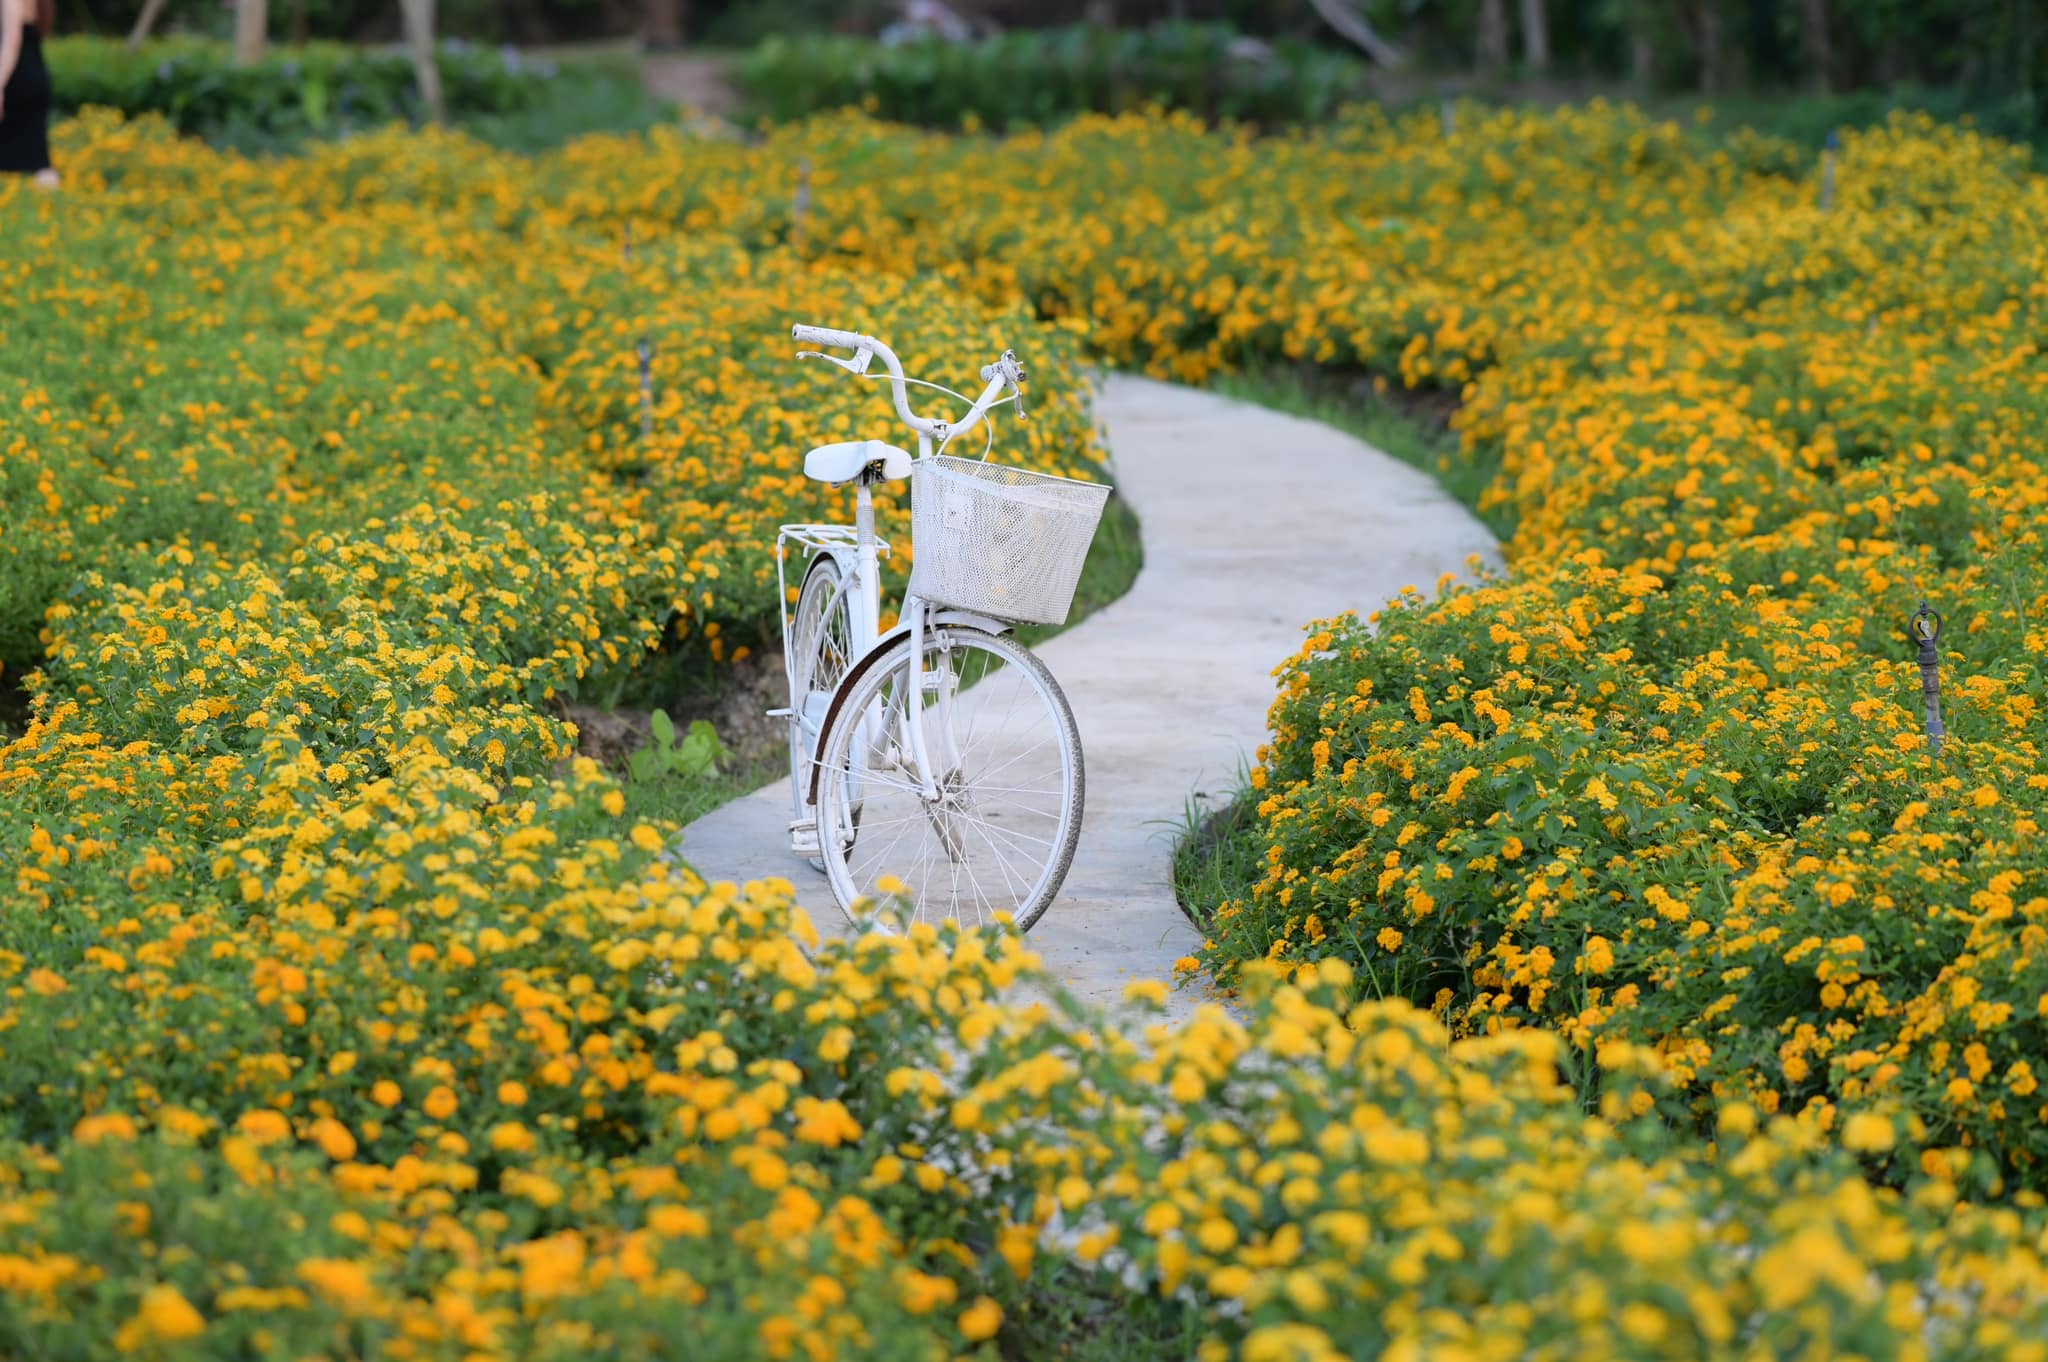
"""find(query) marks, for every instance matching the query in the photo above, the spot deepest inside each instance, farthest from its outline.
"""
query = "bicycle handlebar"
(1004, 373)
(823, 335)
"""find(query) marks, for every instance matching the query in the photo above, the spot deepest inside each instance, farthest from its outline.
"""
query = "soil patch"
(738, 711)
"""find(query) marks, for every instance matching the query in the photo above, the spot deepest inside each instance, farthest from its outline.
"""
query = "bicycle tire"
(821, 635)
(967, 814)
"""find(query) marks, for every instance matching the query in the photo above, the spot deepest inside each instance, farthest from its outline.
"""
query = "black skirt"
(25, 115)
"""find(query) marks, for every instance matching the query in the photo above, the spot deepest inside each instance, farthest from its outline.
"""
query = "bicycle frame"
(860, 568)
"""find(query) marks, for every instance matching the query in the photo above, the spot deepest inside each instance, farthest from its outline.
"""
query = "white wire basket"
(1000, 541)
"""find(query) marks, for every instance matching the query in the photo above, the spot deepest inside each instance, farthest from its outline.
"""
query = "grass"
(1087, 1315)
(1218, 855)
(682, 799)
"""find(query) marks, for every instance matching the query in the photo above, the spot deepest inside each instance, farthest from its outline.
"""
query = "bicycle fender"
(961, 619)
(845, 557)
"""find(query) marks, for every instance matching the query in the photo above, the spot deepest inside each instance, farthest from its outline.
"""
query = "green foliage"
(332, 89)
(1045, 75)
(698, 754)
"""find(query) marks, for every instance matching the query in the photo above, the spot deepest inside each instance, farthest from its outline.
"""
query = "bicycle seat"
(843, 462)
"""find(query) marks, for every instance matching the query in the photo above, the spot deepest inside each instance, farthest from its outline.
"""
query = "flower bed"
(344, 1012)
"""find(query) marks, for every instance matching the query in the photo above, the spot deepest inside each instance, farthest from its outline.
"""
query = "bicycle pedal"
(803, 837)
(783, 713)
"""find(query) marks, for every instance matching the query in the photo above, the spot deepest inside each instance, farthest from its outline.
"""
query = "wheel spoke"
(1002, 832)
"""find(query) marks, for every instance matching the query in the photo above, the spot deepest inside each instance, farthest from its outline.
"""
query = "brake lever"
(1012, 371)
(857, 365)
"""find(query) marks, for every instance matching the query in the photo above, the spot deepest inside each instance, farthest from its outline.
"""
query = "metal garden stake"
(802, 208)
(646, 388)
(1926, 626)
(1827, 172)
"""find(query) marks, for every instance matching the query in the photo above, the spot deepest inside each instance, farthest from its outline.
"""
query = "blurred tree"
(1709, 45)
(663, 26)
(252, 27)
(1354, 28)
(1535, 36)
(152, 10)
(418, 18)
(1814, 45)
(1492, 46)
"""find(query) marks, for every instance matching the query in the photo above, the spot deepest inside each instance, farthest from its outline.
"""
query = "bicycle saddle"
(843, 462)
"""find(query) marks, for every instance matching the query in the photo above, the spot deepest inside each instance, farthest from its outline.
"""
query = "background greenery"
(326, 89)
(1994, 53)
(1043, 75)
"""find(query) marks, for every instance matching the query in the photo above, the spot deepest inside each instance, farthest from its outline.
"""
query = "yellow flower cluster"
(344, 1014)
(1669, 782)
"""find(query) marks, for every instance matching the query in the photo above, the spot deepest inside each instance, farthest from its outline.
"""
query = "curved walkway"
(1254, 523)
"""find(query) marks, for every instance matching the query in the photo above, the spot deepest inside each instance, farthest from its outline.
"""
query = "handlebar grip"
(820, 335)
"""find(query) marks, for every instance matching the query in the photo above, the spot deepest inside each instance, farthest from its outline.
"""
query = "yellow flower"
(334, 1139)
(1145, 991)
(924, 1293)
(162, 1316)
(512, 1137)
(341, 1282)
(1867, 1133)
(678, 1222)
(112, 1125)
(981, 1320)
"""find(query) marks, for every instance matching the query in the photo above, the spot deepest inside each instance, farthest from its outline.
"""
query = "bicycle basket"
(999, 541)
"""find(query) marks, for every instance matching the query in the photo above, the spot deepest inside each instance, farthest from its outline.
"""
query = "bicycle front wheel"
(996, 834)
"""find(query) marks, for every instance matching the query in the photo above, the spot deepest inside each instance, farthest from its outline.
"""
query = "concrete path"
(1254, 524)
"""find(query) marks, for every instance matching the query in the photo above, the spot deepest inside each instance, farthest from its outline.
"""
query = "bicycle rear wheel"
(821, 649)
(999, 836)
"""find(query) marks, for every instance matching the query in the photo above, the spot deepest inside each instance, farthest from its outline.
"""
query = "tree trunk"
(1707, 35)
(1352, 26)
(1642, 53)
(252, 26)
(663, 24)
(419, 40)
(1493, 36)
(1535, 36)
(1819, 51)
(152, 10)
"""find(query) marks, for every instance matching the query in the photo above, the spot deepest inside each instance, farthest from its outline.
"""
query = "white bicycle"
(935, 768)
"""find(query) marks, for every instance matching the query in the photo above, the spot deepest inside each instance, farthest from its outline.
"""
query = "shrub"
(332, 89)
(346, 1010)
(1048, 75)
